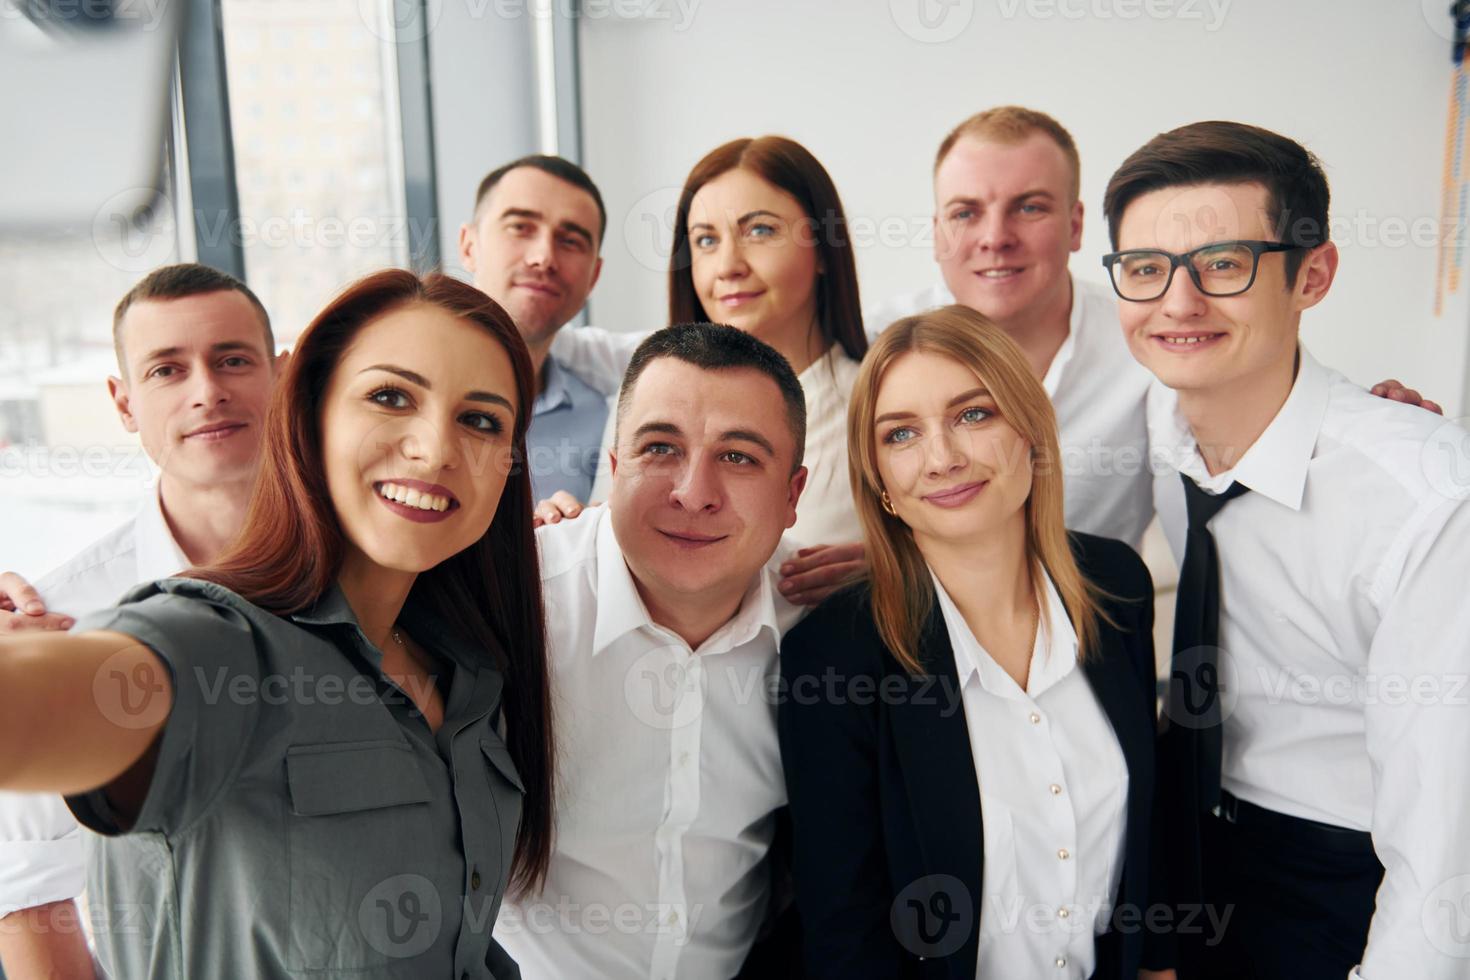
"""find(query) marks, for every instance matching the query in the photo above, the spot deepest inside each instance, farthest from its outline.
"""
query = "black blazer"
(885, 805)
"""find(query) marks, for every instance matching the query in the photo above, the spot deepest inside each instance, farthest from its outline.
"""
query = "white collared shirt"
(1053, 801)
(825, 514)
(1345, 639)
(669, 775)
(1098, 391)
(42, 856)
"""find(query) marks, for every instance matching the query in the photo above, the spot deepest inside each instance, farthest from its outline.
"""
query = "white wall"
(1363, 83)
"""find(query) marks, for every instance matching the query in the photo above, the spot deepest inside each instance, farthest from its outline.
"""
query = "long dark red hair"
(290, 551)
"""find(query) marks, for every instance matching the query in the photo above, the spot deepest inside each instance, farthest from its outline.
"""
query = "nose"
(995, 233)
(730, 258)
(541, 250)
(1183, 300)
(944, 453)
(209, 390)
(431, 447)
(696, 487)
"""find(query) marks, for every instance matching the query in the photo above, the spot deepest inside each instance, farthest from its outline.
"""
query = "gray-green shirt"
(302, 819)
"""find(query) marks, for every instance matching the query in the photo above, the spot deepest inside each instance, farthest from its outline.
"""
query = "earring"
(887, 503)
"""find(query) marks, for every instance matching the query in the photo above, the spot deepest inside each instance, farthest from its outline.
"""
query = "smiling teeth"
(412, 498)
(1183, 340)
(998, 273)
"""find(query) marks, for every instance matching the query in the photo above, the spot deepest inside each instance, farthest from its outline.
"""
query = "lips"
(215, 431)
(538, 286)
(691, 540)
(1186, 341)
(1000, 273)
(956, 496)
(740, 299)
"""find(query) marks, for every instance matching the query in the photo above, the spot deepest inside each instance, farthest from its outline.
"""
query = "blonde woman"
(968, 735)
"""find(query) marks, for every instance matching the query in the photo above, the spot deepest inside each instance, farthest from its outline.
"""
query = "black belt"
(1248, 816)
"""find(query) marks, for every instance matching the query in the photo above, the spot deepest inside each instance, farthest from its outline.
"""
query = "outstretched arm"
(82, 710)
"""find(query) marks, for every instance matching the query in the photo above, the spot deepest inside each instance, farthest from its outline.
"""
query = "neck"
(203, 519)
(376, 595)
(1227, 420)
(694, 618)
(800, 341)
(1042, 331)
(539, 353)
(987, 577)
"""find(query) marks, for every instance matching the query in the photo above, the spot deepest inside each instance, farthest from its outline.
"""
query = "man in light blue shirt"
(532, 246)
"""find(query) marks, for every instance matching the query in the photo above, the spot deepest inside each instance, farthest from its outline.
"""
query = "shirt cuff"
(39, 872)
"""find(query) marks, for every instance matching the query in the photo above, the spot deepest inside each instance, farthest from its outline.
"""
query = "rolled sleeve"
(216, 671)
(41, 852)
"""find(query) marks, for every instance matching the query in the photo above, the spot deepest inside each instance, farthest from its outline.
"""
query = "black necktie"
(1194, 680)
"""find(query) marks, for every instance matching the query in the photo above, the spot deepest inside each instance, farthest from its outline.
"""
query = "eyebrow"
(223, 347)
(730, 435)
(742, 220)
(413, 376)
(570, 226)
(1034, 192)
(957, 399)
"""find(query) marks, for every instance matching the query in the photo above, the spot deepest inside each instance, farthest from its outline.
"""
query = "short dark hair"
(176, 282)
(1219, 152)
(558, 167)
(717, 347)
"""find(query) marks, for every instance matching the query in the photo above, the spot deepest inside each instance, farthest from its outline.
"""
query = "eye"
(520, 227)
(162, 371)
(974, 415)
(574, 243)
(900, 435)
(389, 397)
(656, 449)
(962, 214)
(1031, 207)
(762, 230)
(484, 422)
(236, 361)
(739, 458)
(704, 240)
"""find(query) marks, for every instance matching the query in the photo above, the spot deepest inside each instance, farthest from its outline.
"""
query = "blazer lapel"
(932, 743)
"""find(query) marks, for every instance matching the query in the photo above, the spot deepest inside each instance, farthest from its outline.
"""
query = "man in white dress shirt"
(1007, 215)
(663, 622)
(196, 363)
(1328, 775)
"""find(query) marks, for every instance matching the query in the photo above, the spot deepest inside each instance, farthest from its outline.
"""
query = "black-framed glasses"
(1218, 269)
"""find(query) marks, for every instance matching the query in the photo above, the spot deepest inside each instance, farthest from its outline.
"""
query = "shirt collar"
(158, 554)
(1053, 379)
(1275, 465)
(620, 609)
(1053, 656)
(332, 609)
(555, 393)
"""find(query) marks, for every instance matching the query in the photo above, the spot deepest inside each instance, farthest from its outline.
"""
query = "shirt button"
(475, 880)
(1055, 789)
(683, 758)
(1035, 718)
(1063, 854)
(1061, 961)
(1063, 912)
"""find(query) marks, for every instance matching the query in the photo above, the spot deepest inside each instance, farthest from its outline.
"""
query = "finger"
(1434, 407)
(23, 623)
(21, 593)
(825, 577)
(566, 503)
(536, 521)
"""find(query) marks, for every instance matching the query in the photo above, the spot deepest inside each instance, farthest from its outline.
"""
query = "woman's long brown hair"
(786, 164)
(290, 551)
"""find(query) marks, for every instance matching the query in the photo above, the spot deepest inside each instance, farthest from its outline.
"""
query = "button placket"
(683, 795)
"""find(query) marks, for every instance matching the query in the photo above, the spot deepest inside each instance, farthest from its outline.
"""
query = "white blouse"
(825, 514)
(1053, 797)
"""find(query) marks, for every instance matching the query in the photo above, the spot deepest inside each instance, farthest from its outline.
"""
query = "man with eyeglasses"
(1314, 766)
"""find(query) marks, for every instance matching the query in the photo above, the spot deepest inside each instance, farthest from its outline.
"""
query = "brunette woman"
(968, 736)
(328, 752)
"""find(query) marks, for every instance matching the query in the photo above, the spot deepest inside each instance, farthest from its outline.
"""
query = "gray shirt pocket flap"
(499, 757)
(342, 777)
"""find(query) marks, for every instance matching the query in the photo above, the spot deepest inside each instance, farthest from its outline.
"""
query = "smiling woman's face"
(953, 467)
(416, 434)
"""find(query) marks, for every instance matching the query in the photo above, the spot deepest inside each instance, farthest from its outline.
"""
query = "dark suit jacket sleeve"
(829, 749)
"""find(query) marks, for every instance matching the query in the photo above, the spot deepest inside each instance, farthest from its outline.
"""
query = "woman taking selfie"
(327, 753)
(761, 243)
(968, 735)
